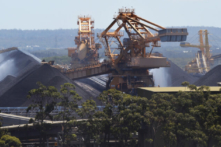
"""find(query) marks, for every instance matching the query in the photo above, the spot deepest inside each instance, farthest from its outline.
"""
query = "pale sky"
(62, 14)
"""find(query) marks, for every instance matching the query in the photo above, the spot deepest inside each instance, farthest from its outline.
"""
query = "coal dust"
(161, 77)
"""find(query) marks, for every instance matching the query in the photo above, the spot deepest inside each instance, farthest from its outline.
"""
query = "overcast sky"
(62, 14)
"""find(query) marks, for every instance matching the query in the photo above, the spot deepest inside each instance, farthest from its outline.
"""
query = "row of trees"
(45, 99)
(184, 119)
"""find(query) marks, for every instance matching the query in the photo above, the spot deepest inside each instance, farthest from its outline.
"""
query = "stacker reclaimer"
(129, 67)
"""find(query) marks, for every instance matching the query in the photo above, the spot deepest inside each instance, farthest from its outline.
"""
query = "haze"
(57, 14)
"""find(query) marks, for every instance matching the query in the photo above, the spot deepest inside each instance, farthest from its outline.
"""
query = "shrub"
(11, 141)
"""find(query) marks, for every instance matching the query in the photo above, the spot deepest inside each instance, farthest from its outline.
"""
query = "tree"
(182, 126)
(6, 140)
(68, 105)
(208, 116)
(87, 109)
(187, 118)
(9, 141)
(192, 87)
(172, 115)
(131, 117)
(185, 83)
(44, 100)
(87, 128)
(108, 118)
(190, 119)
(157, 114)
(121, 116)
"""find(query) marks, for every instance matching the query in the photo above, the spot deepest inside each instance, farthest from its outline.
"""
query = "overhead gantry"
(130, 66)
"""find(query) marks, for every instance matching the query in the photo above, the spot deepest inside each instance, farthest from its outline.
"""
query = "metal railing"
(126, 10)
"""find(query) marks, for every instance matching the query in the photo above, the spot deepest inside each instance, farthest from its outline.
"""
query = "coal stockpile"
(21, 73)
(6, 82)
(210, 78)
(177, 75)
(96, 81)
(47, 75)
(16, 63)
(171, 76)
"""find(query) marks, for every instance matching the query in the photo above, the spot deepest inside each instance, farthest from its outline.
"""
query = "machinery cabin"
(86, 52)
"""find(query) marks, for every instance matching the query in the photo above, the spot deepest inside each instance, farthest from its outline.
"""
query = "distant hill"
(63, 38)
(38, 39)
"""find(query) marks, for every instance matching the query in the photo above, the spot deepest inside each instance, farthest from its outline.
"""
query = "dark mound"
(16, 63)
(56, 81)
(6, 81)
(92, 83)
(211, 78)
(177, 75)
(171, 76)
(16, 95)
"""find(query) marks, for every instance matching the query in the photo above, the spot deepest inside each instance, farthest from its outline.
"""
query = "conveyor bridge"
(88, 71)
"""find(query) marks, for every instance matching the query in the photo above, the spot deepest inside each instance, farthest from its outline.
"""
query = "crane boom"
(130, 66)
(201, 64)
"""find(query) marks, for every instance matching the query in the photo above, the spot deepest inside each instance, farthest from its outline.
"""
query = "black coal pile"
(177, 75)
(16, 63)
(6, 82)
(171, 76)
(211, 78)
(19, 73)
(47, 75)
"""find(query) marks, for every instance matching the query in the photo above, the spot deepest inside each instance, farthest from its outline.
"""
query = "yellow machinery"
(86, 52)
(201, 64)
(130, 66)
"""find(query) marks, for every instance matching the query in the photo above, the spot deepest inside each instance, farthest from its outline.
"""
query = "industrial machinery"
(86, 52)
(128, 63)
(201, 64)
(130, 66)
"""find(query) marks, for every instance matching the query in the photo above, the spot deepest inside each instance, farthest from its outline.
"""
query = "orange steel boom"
(129, 67)
(201, 64)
